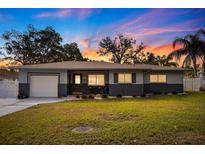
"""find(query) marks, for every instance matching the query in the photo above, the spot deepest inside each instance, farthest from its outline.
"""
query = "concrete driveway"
(10, 105)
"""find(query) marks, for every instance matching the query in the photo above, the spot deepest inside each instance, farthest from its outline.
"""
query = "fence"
(10, 75)
(8, 89)
(194, 84)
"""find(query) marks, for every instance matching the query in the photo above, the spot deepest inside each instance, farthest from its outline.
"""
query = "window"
(124, 78)
(162, 78)
(153, 78)
(158, 78)
(96, 80)
(77, 79)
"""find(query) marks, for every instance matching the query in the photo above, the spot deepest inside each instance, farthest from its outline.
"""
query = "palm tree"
(200, 33)
(166, 61)
(190, 49)
(151, 58)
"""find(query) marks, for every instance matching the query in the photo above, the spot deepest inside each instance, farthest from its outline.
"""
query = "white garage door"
(43, 86)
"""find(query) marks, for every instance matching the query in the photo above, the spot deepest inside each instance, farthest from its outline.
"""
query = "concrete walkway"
(9, 105)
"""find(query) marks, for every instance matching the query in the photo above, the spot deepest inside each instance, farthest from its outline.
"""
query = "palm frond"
(178, 53)
(200, 32)
(189, 37)
(172, 64)
(180, 41)
(187, 61)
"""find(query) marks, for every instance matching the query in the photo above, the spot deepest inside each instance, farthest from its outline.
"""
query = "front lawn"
(175, 119)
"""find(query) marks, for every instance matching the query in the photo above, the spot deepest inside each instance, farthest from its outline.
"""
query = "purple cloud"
(63, 13)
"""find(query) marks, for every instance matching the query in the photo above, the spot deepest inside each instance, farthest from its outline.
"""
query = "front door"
(77, 84)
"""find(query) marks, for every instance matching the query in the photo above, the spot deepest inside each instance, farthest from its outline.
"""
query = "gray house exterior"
(67, 78)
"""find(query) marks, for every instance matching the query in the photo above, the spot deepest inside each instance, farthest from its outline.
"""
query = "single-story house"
(73, 77)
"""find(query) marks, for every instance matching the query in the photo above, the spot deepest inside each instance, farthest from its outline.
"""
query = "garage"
(44, 86)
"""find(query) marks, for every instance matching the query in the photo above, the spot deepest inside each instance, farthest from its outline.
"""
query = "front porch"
(88, 82)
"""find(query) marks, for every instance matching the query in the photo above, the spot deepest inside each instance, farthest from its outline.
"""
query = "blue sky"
(157, 28)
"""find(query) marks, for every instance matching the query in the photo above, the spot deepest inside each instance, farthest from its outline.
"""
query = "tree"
(166, 61)
(121, 49)
(190, 74)
(151, 58)
(199, 33)
(139, 58)
(19, 46)
(47, 44)
(190, 49)
(38, 46)
(72, 52)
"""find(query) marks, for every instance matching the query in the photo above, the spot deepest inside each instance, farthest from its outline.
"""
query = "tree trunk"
(194, 65)
(203, 68)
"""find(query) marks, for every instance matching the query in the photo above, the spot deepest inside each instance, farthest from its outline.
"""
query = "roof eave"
(179, 69)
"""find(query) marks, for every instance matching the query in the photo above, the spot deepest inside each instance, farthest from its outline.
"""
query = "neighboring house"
(67, 78)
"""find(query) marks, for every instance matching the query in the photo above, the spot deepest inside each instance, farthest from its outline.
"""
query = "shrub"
(157, 93)
(142, 95)
(119, 96)
(21, 96)
(91, 97)
(77, 96)
(174, 92)
(104, 96)
(202, 89)
(84, 97)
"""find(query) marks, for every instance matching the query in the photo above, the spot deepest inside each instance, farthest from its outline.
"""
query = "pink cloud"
(85, 12)
(155, 31)
(58, 14)
(163, 49)
(146, 33)
(150, 23)
(62, 13)
(143, 20)
(139, 26)
(186, 26)
(85, 42)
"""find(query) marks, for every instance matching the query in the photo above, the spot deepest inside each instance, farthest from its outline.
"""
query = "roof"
(94, 65)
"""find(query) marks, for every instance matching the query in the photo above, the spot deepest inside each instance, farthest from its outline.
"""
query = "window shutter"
(115, 78)
(133, 77)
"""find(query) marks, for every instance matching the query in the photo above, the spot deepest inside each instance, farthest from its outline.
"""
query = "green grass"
(156, 120)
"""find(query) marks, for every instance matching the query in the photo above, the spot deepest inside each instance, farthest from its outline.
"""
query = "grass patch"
(159, 119)
(118, 117)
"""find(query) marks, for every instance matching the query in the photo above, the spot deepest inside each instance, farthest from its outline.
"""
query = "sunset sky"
(156, 28)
